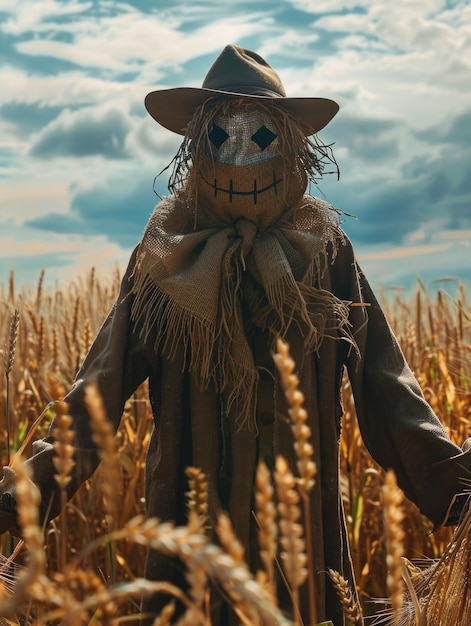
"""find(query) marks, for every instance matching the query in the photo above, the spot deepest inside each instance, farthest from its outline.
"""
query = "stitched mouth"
(254, 192)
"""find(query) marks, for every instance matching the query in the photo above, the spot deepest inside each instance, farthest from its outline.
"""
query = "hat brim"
(174, 108)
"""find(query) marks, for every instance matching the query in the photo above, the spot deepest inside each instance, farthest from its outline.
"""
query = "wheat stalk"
(234, 578)
(70, 611)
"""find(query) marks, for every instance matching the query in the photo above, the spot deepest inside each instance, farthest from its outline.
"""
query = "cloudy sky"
(79, 154)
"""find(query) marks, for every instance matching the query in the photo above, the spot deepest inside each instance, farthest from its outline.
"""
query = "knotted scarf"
(202, 287)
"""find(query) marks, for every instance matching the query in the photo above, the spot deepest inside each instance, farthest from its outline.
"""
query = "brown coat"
(397, 425)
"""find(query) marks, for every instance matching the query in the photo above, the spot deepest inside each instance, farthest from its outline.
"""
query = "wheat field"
(86, 568)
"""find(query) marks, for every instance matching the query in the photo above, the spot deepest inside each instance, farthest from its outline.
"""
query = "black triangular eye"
(263, 137)
(218, 136)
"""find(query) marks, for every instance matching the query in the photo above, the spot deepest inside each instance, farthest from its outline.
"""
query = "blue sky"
(79, 153)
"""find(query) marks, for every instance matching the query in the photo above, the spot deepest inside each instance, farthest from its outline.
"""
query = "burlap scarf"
(202, 288)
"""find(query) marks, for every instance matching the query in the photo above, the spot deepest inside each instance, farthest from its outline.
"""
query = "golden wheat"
(435, 334)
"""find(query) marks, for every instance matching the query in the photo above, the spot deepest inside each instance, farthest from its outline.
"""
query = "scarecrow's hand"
(8, 519)
(460, 503)
(459, 507)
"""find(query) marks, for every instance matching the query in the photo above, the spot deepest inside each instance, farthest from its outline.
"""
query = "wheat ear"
(268, 529)
(350, 606)
(103, 436)
(393, 518)
(197, 502)
(293, 554)
(9, 359)
(197, 495)
(28, 500)
(304, 451)
(63, 463)
(301, 431)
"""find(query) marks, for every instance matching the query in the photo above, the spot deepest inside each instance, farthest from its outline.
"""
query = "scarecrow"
(235, 257)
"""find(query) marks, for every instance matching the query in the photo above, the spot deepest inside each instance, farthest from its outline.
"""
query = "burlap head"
(251, 179)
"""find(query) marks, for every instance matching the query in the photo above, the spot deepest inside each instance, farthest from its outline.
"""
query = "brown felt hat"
(236, 72)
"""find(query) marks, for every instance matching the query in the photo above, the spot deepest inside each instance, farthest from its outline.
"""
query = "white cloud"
(331, 6)
(91, 130)
(421, 88)
(128, 40)
(401, 28)
(65, 89)
(404, 60)
(25, 16)
(119, 43)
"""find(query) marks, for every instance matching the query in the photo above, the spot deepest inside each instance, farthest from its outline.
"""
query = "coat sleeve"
(118, 361)
(399, 428)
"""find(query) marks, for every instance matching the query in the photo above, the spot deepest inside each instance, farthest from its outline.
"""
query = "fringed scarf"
(201, 287)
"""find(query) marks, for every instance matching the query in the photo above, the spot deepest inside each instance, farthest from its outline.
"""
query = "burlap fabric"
(201, 287)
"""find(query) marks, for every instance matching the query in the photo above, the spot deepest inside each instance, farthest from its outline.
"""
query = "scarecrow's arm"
(398, 426)
(118, 361)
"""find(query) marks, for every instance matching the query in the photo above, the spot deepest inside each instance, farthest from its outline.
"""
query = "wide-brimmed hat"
(237, 72)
